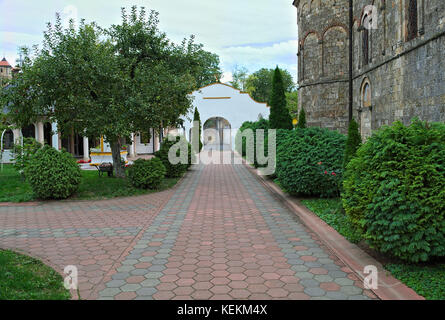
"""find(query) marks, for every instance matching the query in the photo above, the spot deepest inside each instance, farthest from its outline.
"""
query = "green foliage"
(394, 190)
(239, 75)
(147, 174)
(52, 174)
(22, 154)
(302, 119)
(331, 211)
(91, 187)
(122, 80)
(26, 278)
(309, 161)
(292, 103)
(196, 117)
(427, 280)
(259, 84)
(279, 114)
(353, 142)
(173, 170)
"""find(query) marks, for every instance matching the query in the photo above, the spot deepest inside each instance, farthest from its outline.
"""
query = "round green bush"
(173, 170)
(147, 174)
(309, 161)
(394, 190)
(52, 174)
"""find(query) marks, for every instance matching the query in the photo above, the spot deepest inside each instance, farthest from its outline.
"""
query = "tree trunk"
(118, 165)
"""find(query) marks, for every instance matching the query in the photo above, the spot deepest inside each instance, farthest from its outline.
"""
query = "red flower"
(325, 172)
(333, 173)
(320, 163)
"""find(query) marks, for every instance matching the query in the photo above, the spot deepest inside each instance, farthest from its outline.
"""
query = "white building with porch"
(223, 109)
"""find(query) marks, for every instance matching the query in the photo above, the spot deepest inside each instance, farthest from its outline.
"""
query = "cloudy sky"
(249, 33)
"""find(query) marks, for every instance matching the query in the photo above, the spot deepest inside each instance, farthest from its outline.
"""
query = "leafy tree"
(240, 75)
(279, 115)
(292, 103)
(353, 142)
(108, 83)
(302, 119)
(208, 69)
(259, 83)
(196, 117)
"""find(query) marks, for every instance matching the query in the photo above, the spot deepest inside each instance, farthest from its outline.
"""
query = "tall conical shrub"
(353, 142)
(197, 117)
(279, 114)
(302, 119)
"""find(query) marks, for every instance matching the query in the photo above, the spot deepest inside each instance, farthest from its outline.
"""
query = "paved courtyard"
(220, 234)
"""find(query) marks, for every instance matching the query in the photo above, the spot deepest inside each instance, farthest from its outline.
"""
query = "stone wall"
(406, 77)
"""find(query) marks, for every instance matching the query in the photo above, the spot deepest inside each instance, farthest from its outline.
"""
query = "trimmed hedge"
(309, 161)
(147, 174)
(394, 190)
(52, 174)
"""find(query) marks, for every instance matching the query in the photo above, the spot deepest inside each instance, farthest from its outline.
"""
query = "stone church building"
(398, 62)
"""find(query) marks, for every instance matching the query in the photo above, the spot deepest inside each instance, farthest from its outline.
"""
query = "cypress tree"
(279, 114)
(197, 117)
(302, 119)
(353, 142)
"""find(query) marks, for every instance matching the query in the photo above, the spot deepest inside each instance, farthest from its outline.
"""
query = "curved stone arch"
(366, 108)
(305, 8)
(311, 56)
(335, 24)
(315, 5)
(362, 13)
(307, 34)
(335, 58)
(365, 101)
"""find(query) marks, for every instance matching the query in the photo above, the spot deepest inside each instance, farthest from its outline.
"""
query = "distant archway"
(217, 134)
(8, 139)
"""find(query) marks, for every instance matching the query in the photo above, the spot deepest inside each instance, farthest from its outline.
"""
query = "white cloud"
(250, 33)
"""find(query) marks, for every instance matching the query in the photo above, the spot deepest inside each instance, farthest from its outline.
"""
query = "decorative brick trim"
(307, 34)
(334, 24)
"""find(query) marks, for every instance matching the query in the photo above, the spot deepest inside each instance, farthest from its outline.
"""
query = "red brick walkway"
(220, 235)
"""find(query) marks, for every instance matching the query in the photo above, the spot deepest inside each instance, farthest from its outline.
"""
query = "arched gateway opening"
(217, 134)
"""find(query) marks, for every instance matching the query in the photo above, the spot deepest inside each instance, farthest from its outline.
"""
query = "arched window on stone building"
(366, 109)
(412, 22)
(365, 41)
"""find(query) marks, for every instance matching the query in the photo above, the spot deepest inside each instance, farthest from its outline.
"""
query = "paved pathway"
(219, 235)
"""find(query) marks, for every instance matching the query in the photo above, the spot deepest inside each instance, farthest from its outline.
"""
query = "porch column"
(55, 136)
(86, 149)
(155, 141)
(17, 136)
(132, 146)
(40, 136)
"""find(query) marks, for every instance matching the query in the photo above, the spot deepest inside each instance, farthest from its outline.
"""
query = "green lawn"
(25, 278)
(331, 211)
(14, 189)
(428, 280)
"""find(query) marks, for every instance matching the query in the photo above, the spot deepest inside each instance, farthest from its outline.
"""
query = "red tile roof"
(4, 63)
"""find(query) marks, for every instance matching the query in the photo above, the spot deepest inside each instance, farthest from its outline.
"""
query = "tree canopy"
(110, 82)
(259, 83)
